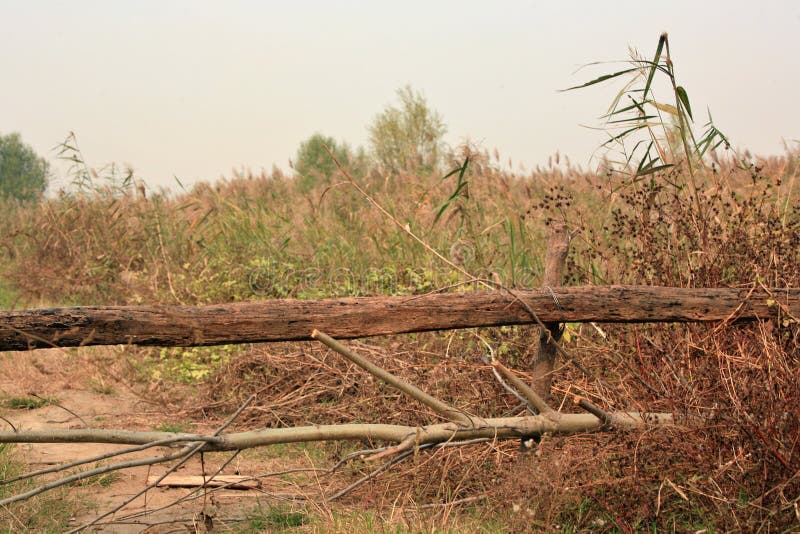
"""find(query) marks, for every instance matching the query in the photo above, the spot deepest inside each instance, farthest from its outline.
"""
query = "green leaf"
(460, 185)
(601, 79)
(648, 169)
(633, 119)
(661, 42)
(460, 170)
(639, 106)
(647, 159)
(684, 100)
(625, 90)
(711, 134)
(623, 134)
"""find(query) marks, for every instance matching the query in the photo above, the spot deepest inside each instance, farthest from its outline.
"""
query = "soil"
(85, 390)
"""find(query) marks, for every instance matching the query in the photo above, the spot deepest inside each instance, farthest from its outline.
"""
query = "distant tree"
(23, 174)
(314, 165)
(409, 137)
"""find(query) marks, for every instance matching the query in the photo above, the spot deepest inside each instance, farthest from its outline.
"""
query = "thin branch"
(54, 403)
(228, 422)
(184, 454)
(92, 472)
(530, 395)
(9, 423)
(595, 410)
(187, 454)
(397, 459)
(443, 409)
(93, 459)
(465, 500)
(195, 493)
(190, 496)
(488, 361)
(402, 456)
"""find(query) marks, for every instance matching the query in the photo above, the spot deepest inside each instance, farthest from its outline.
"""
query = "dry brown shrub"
(298, 384)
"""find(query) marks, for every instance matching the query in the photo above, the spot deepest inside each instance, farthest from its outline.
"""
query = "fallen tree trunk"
(405, 438)
(347, 318)
(490, 428)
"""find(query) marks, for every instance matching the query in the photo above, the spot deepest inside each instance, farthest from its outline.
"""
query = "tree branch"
(500, 427)
(441, 408)
(533, 398)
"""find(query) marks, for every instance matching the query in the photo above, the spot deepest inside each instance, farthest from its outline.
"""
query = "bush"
(314, 165)
(408, 138)
(23, 174)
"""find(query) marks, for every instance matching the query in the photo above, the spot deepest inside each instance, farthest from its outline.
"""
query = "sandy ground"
(78, 384)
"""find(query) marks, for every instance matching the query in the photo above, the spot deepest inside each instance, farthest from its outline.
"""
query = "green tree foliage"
(314, 165)
(23, 174)
(409, 137)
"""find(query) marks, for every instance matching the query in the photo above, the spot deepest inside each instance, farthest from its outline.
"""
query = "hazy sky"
(196, 88)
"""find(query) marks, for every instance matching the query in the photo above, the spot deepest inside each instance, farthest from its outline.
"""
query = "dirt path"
(83, 396)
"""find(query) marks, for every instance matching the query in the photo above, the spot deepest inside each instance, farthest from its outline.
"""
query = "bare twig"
(438, 406)
(186, 453)
(92, 472)
(93, 459)
(372, 474)
(195, 493)
(9, 423)
(54, 403)
(465, 500)
(488, 361)
(530, 395)
(595, 410)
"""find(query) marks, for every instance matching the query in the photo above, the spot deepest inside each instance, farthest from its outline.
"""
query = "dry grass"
(260, 237)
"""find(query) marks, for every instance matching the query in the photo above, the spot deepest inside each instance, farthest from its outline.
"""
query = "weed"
(103, 480)
(8, 297)
(274, 517)
(176, 428)
(191, 365)
(101, 387)
(49, 512)
(27, 403)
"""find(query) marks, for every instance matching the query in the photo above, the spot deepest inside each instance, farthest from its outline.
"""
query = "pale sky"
(194, 89)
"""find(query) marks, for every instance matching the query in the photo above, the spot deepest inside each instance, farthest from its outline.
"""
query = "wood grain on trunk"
(544, 349)
(347, 318)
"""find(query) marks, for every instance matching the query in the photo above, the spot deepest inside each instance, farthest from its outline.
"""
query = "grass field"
(257, 237)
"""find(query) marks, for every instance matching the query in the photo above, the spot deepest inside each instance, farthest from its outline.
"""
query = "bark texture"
(544, 349)
(348, 318)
